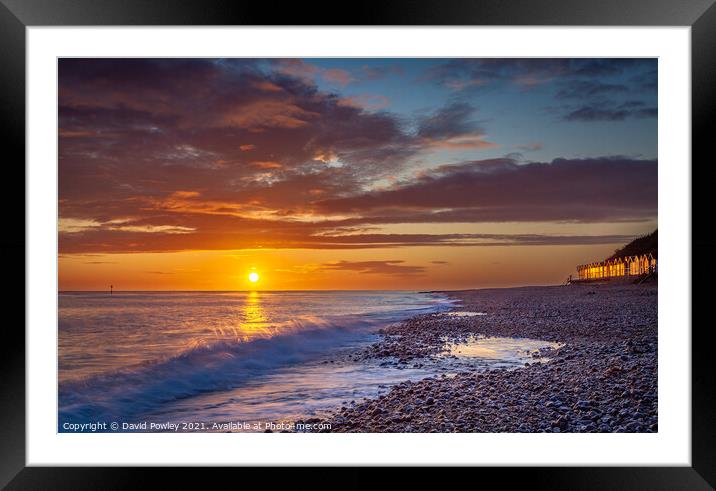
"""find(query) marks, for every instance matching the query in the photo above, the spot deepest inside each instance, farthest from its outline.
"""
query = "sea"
(198, 361)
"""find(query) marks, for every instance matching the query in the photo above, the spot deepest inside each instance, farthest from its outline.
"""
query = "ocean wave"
(206, 367)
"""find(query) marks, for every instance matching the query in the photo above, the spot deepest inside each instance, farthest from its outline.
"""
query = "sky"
(347, 173)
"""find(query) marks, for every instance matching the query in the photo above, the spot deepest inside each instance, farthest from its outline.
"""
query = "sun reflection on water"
(253, 316)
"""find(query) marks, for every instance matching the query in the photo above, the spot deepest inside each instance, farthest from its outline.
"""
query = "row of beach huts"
(633, 266)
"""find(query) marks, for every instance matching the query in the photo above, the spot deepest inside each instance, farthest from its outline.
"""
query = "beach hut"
(618, 267)
(644, 264)
(634, 266)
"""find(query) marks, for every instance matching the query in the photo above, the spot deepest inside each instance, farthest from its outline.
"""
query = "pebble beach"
(601, 378)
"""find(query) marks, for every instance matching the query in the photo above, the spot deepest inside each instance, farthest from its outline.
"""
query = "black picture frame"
(16, 15)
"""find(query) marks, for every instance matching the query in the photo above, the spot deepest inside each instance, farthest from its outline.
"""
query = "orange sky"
(418, 268)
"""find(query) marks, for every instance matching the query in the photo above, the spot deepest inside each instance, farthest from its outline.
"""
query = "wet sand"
(603, 378)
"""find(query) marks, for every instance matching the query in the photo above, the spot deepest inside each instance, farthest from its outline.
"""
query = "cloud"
(480, 73)
(309, 72)
(584, 89)
(464, 240)
(267, 235)
(378, 72)
(367, 102)
(130, 133)
(263, 114)
(648, 81)
(452, 127)
(294, 67)
(266, 164)
(463, 84)
(153, 229)
(80, 226)
(337, 76)
(394, 267)
(504, 190)
(530, 147)
(76, 225)
(448, 122)
(594, 113)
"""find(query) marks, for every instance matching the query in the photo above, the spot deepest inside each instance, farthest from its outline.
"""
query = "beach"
(535, 359)
(601, 378)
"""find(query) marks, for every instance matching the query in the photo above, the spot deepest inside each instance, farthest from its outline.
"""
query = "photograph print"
(378, 245)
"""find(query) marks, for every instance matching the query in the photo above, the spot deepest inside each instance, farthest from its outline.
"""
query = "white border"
(671, 446)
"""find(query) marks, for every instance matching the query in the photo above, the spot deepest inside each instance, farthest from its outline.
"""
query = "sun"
(253, 277)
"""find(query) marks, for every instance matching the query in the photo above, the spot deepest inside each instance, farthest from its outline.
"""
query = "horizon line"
(416, 290)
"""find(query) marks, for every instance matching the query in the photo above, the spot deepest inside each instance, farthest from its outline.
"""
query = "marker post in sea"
(110, 289)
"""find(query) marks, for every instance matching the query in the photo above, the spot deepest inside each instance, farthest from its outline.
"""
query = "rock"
(583, 405)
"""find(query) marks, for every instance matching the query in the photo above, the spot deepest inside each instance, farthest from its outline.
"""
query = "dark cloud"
(464, 73)
(585, 89)
(620, 113)
(450, 121)
(631, 105)
(503, 190)
(452, 126)
(595, 67)
(647, 81)
(480, 73)
(394, 268)
(377, 72)
(396, 240)
(530, 147)
(275, 236)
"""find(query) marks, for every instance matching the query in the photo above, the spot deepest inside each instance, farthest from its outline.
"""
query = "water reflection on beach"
(499, 348)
